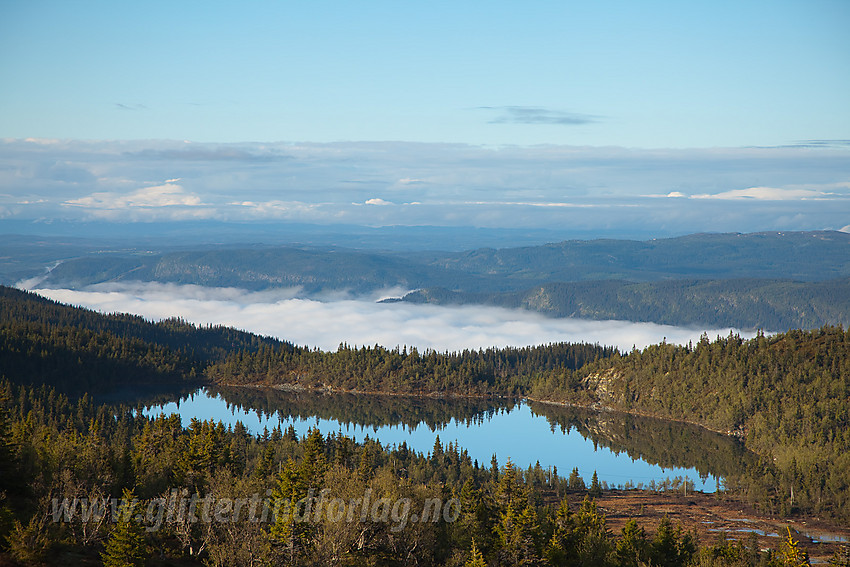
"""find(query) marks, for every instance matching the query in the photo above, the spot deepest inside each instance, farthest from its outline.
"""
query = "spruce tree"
(476, 558)
(126, 544)
(595, 488)
(791, 554)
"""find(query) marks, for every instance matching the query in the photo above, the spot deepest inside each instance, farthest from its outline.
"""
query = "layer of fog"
(327, 323)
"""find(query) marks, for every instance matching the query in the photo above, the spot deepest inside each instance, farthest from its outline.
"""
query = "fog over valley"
(331, 320)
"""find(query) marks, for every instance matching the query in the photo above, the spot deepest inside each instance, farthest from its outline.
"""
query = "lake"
(621, 448)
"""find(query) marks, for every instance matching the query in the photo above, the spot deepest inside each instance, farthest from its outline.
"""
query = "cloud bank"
(581, 189)
(326, 324)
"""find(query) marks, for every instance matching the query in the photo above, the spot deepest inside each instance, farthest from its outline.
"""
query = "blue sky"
(635, 74)
(650, 118)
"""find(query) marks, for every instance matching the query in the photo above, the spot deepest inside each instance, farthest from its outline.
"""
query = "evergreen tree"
(476, 559)
(790, 553)
(314, 464)
(10, 481)
(594, 543)
(516, 536)
(288, 527)
(595, 490)
(632, 549)
(126, 544)
(510, 491)
(574, 481)
(562, 546)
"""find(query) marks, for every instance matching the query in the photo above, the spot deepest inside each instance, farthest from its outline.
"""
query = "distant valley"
(774, 281)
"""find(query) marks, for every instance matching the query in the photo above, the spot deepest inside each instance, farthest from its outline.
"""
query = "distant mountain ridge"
(806, 256)
(802, 256)
(773, 305)
(773, 280)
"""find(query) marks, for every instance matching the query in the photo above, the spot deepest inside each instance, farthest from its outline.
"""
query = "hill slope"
(744, 304)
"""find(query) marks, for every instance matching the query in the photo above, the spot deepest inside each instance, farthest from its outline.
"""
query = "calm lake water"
(619, 447)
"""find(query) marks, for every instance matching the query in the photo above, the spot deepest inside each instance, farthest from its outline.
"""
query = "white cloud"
(326, 324)
(41, 141)
(377, 201)
(508, 187)
(768, 194)
(166, 195)
(670, 195)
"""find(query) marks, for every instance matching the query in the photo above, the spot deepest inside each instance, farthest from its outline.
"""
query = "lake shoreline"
(738, 435)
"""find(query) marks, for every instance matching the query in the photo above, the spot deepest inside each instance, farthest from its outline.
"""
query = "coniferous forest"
(155, 491)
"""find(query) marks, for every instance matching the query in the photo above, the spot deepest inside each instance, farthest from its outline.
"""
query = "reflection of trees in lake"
(364, 410)
(145, 395)
(664, 443)
(658, 442)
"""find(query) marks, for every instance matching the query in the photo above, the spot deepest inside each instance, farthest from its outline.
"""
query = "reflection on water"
(655, 441)
(621, 448)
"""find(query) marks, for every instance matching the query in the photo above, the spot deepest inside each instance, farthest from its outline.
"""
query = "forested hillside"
(787, 396)
(798, 256)
(44, 342)
(313, 270)
(805, 256)
(743, 304)
(505, 372)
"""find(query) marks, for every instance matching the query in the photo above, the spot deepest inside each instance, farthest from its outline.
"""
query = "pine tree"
(664, 547)
(592, 536)
(575, 482)
(10, 481)
(476, 559)
(314, 464)
(562, 546)
(595, 489)
(473, 522)
(364, 467)
(791, 554)
(510, 491)
(632, 548)
(126, 545)
(286, 530)
(516, 536)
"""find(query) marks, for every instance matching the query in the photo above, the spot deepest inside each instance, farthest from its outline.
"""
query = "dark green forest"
(502, 372)
(785, 396)
(75, 349)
